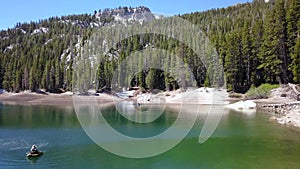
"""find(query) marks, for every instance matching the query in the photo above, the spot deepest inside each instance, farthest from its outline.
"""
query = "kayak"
(28, 154)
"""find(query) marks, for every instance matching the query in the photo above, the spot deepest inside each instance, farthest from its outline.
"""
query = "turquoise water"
(240, 141)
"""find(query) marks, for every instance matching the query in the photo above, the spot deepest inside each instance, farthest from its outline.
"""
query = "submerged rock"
(292, 118)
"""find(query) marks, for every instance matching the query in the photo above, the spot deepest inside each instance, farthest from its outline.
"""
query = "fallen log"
(296, 93)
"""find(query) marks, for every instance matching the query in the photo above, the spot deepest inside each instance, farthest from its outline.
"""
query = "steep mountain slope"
(40, 54)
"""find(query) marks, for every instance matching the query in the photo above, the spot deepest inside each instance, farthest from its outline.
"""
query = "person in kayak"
(34, 150)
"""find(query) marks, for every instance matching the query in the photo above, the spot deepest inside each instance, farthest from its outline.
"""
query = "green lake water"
(240, 141)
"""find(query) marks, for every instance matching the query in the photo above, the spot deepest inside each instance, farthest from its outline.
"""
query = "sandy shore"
(198, 96)
(66, 99)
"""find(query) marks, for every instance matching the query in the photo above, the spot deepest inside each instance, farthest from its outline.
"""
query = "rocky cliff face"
(127, 15)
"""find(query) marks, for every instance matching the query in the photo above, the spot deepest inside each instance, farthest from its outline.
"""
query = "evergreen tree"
(257, 32)
(274, 52)
(296, 61)
(247, 47)
(1, 73)
(101, 75)
(293, 30)
(293, 17)
(231, 61)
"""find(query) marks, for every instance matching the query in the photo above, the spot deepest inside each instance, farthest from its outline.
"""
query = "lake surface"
(240, 141)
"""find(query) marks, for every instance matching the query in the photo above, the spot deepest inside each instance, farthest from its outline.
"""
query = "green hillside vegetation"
(40, 60)
(257, 43)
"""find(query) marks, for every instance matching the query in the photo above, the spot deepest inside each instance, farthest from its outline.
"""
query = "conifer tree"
(296, 61)
(274, 53)
(293, 17)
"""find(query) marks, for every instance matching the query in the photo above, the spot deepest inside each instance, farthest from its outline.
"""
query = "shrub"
(261, 92)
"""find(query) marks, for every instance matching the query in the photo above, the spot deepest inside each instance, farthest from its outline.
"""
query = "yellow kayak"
(29, 154)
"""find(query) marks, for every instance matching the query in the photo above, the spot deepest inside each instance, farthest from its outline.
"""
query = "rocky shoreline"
(278, 108)
(287, 113)
(283, 104)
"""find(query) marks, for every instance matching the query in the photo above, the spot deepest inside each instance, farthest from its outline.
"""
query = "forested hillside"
(257, 43)
(35, 55)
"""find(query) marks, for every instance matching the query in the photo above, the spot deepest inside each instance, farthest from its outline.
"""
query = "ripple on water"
(14, 151)
(20, 143)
